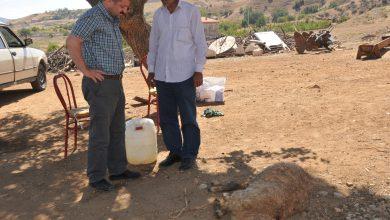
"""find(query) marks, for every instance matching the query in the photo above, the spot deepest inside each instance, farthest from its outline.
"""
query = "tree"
(279, 13)
(134, 28)
(253, 17)
(24, 32)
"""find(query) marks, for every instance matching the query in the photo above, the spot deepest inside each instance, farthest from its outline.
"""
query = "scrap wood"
(60, 60)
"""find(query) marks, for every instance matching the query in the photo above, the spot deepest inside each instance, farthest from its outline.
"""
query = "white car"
(19, 63)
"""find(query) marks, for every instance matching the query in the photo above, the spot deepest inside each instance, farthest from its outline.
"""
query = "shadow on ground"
(10, 96)
(38, 183)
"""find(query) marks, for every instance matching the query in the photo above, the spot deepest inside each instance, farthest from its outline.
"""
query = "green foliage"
(333, 5)
(229, 28)
(298, 4)
(66, 14)
(25, 32)
(52, 47)
(342, 19)
(311, 9)
(35, 29)
(285, 19)
(279, 13)
(203, 12)
(300, 26)
(252, 17)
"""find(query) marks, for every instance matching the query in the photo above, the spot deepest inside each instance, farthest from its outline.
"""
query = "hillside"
(52, 27)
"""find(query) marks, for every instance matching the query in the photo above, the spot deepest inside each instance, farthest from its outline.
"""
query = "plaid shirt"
(102, 40)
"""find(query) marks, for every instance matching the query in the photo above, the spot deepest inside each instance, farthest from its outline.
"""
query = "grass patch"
(300, 26)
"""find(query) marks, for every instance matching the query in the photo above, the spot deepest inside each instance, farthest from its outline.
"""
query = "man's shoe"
(170, 160)
(187, 163)
(102, 185)
(125, 175)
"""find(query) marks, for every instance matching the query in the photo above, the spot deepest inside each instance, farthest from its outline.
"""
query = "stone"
(240, 50)
(278, 192)
(257, 52)
(250, 48)
(211, 54)
(338, 195)
(203, 186)
(323, 193)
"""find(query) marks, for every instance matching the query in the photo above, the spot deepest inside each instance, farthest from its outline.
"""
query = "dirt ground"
(328, 113)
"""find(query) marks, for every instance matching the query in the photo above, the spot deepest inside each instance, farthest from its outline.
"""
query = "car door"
(6, 64)
(23, 61)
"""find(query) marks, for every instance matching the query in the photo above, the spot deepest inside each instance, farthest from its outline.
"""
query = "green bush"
(298, 4)
(252, 17)
(300, 26)
(311, 9)
(25, 32)
(342, 19)
(52, 47)
(228, 28)
(333, 5)
(278, 14)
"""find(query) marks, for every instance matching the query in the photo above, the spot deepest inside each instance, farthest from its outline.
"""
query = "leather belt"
(113, 77)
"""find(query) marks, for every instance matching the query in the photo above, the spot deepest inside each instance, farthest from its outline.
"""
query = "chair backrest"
(144, 67)
(69, 101)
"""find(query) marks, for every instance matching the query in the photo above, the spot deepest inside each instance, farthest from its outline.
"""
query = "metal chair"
(153, 97)
(73, 114)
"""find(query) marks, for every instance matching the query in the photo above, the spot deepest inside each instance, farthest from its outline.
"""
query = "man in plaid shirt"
(95, 45)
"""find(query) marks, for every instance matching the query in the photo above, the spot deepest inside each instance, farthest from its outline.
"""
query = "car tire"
(40, 83)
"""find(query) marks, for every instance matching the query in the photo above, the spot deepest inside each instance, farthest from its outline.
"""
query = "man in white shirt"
(177, 55)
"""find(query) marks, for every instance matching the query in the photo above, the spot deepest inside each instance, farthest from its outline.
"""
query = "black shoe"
(171, 159)
(125, 175)
(187, 164)
(102, 185)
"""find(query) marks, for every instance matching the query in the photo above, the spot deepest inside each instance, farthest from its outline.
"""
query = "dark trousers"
(174, 97)
(106, 148)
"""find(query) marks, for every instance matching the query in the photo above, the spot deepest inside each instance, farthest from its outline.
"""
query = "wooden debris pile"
(313, 41)
(60, 60)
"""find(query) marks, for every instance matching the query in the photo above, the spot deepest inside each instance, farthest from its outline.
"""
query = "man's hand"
(150, 80)
(198, 79)
(95, 75)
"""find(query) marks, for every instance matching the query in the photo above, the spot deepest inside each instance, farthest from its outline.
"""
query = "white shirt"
(177, 44)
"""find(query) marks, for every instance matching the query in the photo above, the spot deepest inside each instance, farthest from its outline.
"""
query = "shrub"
(279, 13)
(333, 5)
(252, 17)
(25, 32)
(298, 4)
(311, 9)
(52, 47)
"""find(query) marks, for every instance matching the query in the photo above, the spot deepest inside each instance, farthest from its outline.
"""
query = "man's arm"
(197, 31)
(74, 45)
(84, 28)
(153, 47)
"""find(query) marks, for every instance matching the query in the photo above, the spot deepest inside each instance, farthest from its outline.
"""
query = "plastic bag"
(212, 90)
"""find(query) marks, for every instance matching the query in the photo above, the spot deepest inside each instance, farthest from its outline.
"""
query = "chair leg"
(158, 116)
(75, 130)
(66, 137)
(149, 103)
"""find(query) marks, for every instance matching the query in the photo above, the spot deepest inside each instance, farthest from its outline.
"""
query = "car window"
(2, 46)
(10, 38)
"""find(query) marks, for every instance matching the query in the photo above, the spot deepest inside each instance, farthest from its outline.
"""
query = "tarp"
(271, 40)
